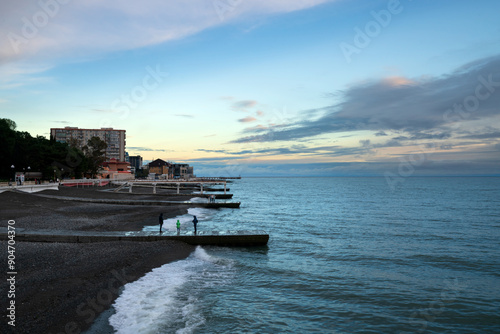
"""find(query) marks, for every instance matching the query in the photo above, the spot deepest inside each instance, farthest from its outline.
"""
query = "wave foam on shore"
(168, 298)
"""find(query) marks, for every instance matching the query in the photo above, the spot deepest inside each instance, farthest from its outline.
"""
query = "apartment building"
(115, 139)
(135, 161)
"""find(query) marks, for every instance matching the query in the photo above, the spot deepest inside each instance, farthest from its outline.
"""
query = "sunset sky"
(265, 87)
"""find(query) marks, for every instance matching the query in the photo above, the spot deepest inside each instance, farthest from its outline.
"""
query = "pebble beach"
(63, 287)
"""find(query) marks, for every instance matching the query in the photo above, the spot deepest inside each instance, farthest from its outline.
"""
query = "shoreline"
(63, 287)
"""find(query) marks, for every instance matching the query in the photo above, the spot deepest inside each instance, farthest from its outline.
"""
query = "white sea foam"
(145, 304)
(200, 212)
(199, 200)
(186, 220)
(166, 300)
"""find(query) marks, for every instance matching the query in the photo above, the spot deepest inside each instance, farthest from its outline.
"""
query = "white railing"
(25, 183)
(30, 188)
(85, 182)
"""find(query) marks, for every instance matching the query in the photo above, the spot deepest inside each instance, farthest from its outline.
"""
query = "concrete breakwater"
(214, 238)
(195, 188)
(144, 202)
(217, 196)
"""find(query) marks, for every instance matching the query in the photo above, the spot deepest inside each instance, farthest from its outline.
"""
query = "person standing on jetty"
(178, 227)
(195, 222)
(161, 221)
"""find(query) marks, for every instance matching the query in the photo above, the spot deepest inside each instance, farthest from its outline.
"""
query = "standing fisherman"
(161, 221)
(178, 227)
(195, 222)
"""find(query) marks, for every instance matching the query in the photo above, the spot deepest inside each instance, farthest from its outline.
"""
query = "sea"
(345, 255)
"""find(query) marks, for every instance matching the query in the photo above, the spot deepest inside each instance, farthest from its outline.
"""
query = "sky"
(265, 87)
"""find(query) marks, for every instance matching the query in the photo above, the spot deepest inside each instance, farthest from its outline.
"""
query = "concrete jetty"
(191, 195)
(213, 205)
(214, 238)
(187, 188)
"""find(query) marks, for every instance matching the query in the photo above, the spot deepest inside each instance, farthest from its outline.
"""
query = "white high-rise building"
(115, 139)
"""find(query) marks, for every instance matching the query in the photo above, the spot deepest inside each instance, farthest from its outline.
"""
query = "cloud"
(15, 75)
(256, 128)
(423, 108)
(327, 151)
(242, 105)
(398, 81)
(95, 26)
(144, 149)
(184, 115)
(429, 168)
(365, 142)
(247, 119)
(486, 135)
(422, 135)
(99, 110)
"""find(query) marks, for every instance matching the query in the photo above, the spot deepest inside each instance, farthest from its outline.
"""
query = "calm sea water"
(345, 255)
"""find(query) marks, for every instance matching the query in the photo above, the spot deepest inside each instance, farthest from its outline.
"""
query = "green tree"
(40, 154)
(95, 152)
(141, 173)
(7, 146)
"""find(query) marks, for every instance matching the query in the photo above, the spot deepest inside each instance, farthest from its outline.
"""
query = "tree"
(22, 150)
(95, 151)
(10, 123)
(7, 143)
(141, 173)
(74, 142)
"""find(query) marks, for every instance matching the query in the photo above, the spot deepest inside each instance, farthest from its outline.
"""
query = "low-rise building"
(159, 167)
(164, 169)
(116, 170)
(182, 171)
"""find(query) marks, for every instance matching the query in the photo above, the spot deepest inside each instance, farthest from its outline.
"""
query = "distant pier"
(213, 205)
(174, 184)
(190, 195)
(211, 178)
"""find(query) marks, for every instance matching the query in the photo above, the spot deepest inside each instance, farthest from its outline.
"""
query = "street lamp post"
(13, 172)
(54, 175)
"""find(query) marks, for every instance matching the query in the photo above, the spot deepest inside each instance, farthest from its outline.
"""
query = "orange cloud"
(398, 81)
(247, 119)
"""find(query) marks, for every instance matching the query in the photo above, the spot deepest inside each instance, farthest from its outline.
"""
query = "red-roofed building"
(116, 170)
